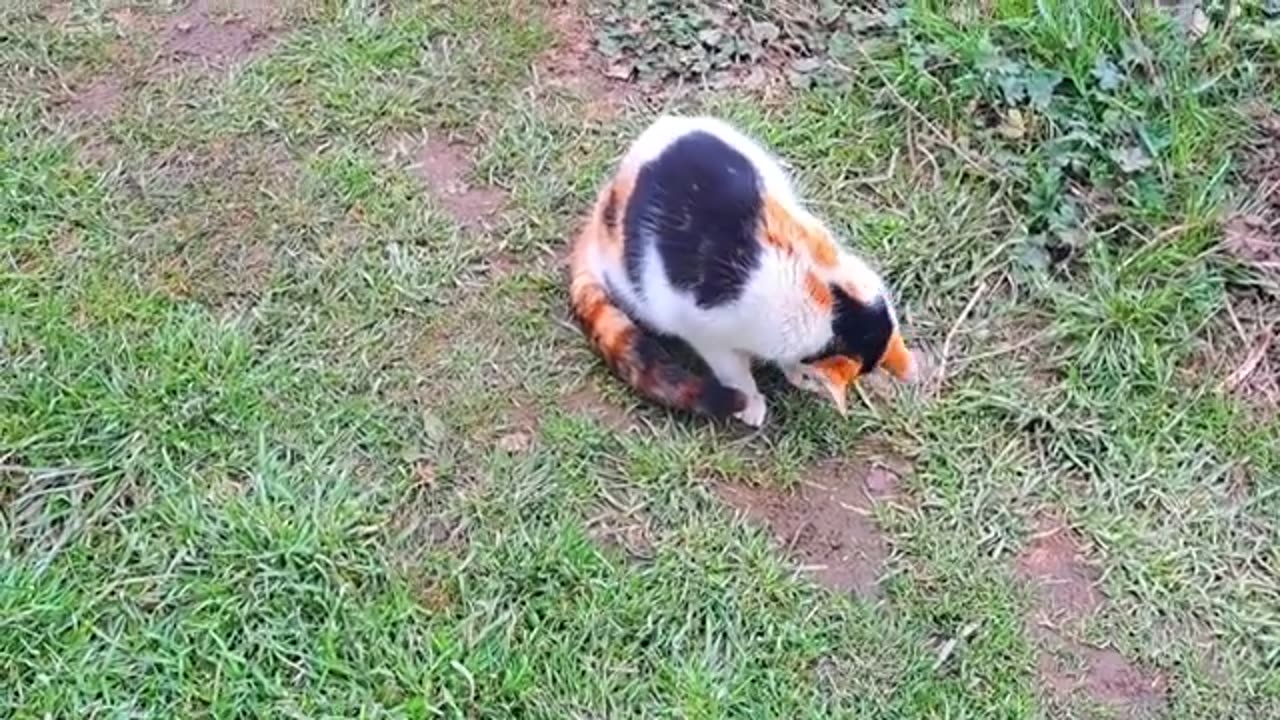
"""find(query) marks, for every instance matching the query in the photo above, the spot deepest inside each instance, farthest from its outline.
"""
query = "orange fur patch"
(608, 236)
(780, 228)
(616, 337)
(821, 249)
(785, 231)
(840, 370)
(819, 291)
(897, 358)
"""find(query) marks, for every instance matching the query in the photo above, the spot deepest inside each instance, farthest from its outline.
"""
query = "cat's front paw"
(753, 414)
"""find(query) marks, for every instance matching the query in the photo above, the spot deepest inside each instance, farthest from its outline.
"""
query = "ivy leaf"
(1197, 24)
(1066, 215)
(1266, 32)
(1132, 159)
(806, 65)
(620, 70)
(1072, 238)
(609, 46)
(766, 32)
(1108, 75)
(1014, 88)
(1040, 87)
(989, 58)
(1155, 138)
(800, 81)
(830, 11)
(1035, 255)
(842, 45)
(860, 22)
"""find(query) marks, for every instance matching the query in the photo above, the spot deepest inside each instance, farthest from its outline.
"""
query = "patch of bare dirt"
(590, 402)
(825, 525)
(1065, 585)
(517, 442)
(221, 32)
(215, 33)
(1247, 356)
(1254, 356)
(222, 252)
(572, 63)
(97, 100)
(57, 13)
(1253, 240)
(1053, 562)
(444, 166)
(227, 270)
(1240, 354)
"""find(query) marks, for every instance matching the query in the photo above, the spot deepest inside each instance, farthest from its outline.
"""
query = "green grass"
(254, 382)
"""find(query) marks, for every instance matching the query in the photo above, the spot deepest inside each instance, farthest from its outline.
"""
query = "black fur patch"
(859, 330)
(720, 401)
(650, 353)
(667, 357)
(700, 203)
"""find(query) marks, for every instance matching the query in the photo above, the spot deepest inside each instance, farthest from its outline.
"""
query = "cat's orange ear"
(899, 360)
(836, 373)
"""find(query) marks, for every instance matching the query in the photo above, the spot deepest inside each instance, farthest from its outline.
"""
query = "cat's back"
(698, 192)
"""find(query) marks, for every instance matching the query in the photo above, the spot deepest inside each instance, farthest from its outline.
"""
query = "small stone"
(424, 473)
(516, 442)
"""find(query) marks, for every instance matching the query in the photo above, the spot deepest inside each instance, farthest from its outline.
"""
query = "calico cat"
(699, 235)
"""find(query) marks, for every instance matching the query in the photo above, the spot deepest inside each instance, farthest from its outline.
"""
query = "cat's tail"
(633, 353)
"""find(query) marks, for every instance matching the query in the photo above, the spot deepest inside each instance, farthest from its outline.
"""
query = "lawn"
(293, 422)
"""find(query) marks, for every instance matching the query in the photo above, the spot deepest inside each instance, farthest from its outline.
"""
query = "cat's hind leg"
(733, 369)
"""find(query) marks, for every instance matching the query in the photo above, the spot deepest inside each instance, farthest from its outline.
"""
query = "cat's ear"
(898, 359)
(835, 373)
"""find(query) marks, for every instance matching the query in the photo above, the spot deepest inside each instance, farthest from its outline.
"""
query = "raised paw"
(753, 413)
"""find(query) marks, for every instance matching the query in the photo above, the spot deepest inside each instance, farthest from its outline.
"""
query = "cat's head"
(865, 336)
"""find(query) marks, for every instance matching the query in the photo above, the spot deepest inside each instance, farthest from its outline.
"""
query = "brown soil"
(423, 520)
(1066, 594)
(1251, 350)
(228, 258)
(590, 402)
(515, 443)
(220, 32)
(1253, 240)
(1241, 352)
(216, 33)
(572, 63)
(225, 271)
(825, 526)
(443, 166)
(97, 100)
(1053, 563)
